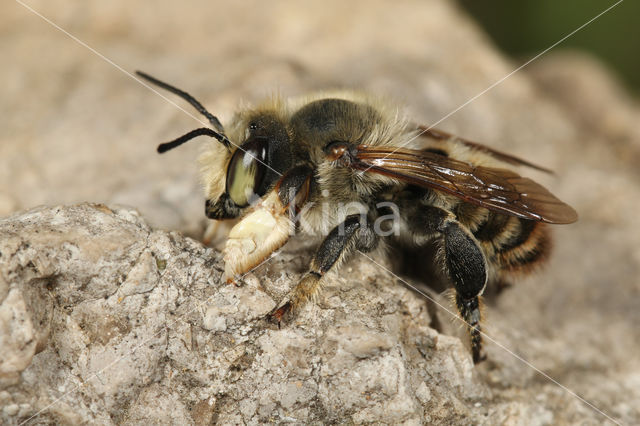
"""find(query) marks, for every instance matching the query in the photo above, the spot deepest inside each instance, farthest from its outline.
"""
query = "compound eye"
(246, 171)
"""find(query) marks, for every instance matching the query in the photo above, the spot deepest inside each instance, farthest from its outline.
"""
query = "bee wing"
(500, 190)
(427, 132)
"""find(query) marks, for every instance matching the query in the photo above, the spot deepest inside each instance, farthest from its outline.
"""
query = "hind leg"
(464, 263)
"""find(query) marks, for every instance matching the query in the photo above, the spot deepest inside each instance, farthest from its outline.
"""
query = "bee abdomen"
(527, 244)
(512, 243)
(496, 228)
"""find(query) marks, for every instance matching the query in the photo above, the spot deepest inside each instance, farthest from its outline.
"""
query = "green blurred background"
(524, 28)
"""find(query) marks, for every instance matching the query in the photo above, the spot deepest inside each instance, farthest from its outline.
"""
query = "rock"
(127, 319)
(89, 288)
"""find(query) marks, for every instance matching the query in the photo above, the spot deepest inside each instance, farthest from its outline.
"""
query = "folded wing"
(496, 189)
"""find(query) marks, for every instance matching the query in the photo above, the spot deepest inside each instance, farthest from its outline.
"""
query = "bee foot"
(278, 313)
(478, 357)
(234, 281)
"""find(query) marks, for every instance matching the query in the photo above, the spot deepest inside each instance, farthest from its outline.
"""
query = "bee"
(336, 165)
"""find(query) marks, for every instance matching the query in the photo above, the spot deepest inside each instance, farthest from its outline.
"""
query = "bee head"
(260, 160)
(239, 174)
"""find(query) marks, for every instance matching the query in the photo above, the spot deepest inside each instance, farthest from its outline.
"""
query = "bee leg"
(267, 226)
(466, 266)
(343, 240)
(470, 312)
(293, 187)
(463, 259)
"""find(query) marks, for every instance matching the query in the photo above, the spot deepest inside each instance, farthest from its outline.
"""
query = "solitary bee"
(336, 165)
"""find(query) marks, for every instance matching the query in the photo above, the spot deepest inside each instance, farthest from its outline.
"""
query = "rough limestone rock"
(106, 320)
(105, 317)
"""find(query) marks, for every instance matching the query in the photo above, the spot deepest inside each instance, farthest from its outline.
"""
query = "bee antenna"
(203, 131)
(187, 97)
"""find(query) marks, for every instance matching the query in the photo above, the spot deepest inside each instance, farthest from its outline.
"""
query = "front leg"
(343, 240)
(268, 225)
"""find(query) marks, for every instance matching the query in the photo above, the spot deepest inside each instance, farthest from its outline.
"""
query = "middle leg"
(344, 239)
